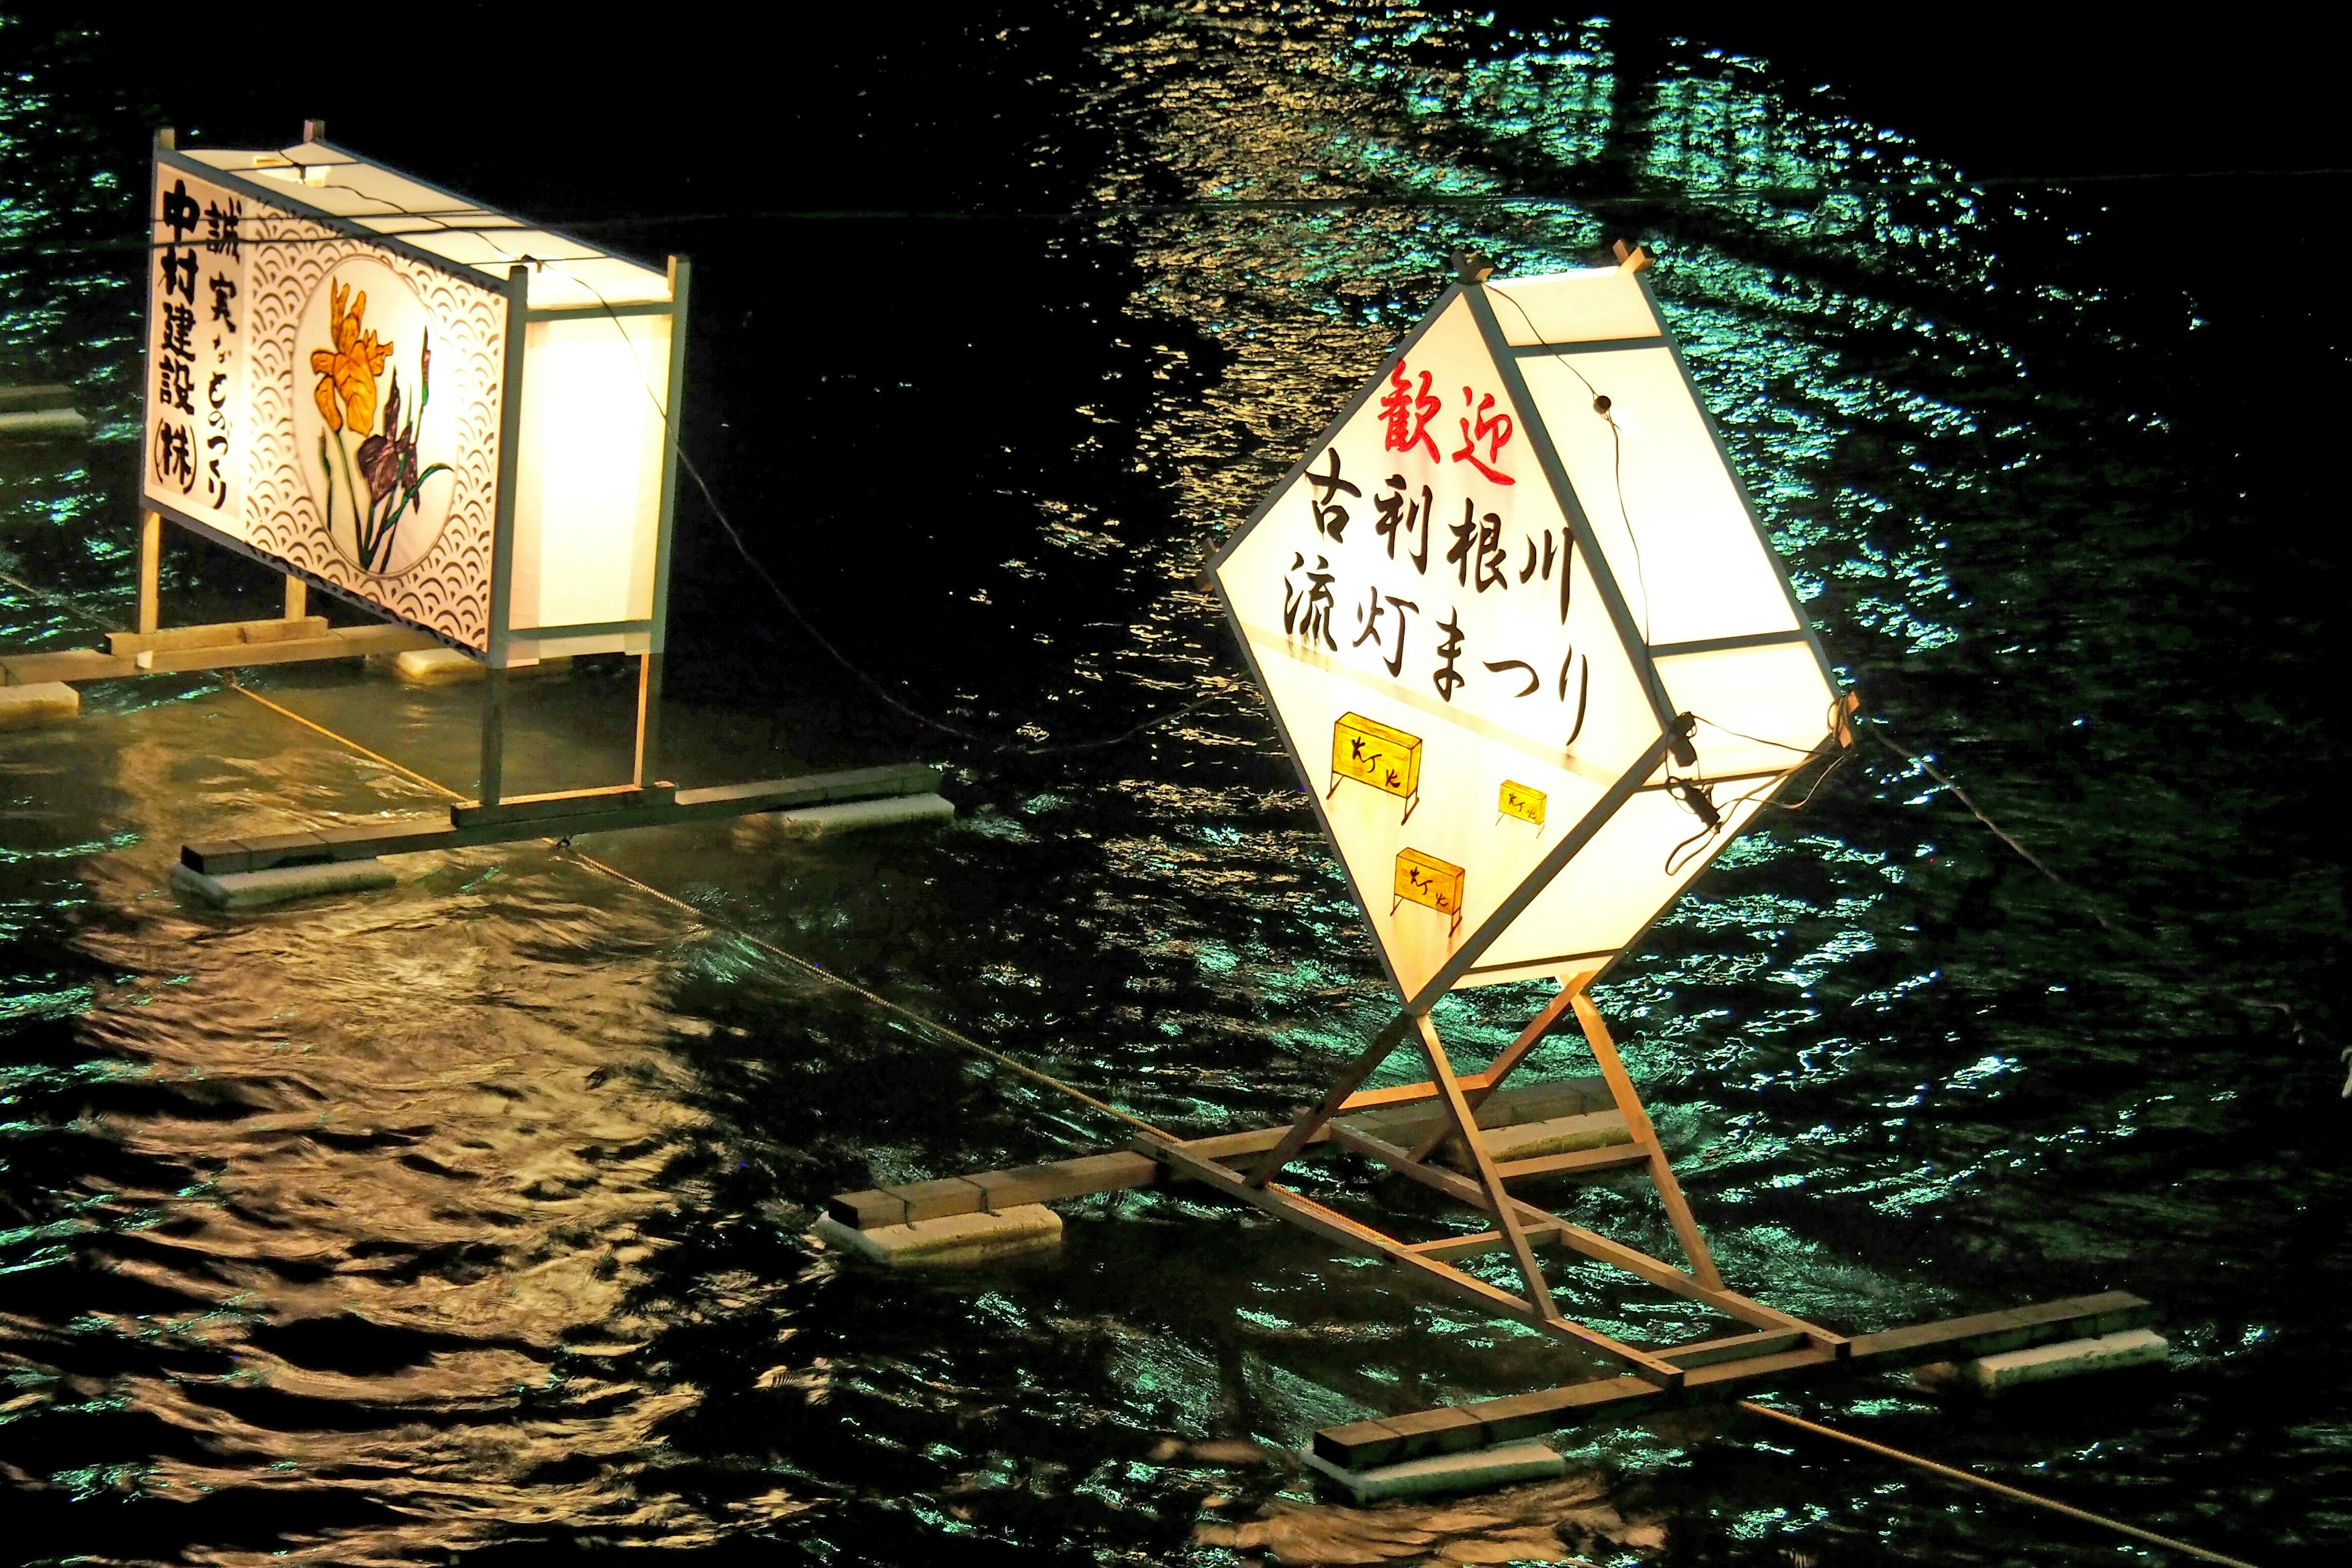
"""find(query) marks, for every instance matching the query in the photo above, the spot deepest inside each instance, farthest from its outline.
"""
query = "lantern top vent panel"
(566, 273)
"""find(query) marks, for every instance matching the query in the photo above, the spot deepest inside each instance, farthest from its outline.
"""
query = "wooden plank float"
(556, 815)
(227, 646)
(1716, 1371)
(1404, 1113)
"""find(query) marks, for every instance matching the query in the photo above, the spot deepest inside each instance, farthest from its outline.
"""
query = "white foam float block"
(841, 816)
(1474, 1469)
(282, 884)
(43, 702)
(1530, 1139)
(34, 422)
(436, 666)
(2068, 1358)
(962, 1238)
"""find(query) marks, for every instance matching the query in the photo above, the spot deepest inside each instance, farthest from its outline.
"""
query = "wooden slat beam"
(1392, 1439)
(1575, 1160)
(1335, 1226)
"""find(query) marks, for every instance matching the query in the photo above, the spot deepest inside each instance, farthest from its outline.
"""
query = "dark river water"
(470, 1220)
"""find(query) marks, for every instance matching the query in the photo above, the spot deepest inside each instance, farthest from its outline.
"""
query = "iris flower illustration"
(346, 395)
(347, 372)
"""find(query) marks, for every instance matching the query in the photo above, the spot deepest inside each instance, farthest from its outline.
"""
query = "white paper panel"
(1572, 307)
(1615, 886)
(1760, 708)
(588, 482)
(1692, 566)
(1470, 628)
(1451, 723)
(275, 346)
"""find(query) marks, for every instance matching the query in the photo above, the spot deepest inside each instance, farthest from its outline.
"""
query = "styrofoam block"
(282, 884)
(2068, 1358)
(1531, 1140)
(43, 702)
(39, 422)
(436, 666)
(1558, 1136)
(811, 821)
(955, 1239)
(1474, 1469)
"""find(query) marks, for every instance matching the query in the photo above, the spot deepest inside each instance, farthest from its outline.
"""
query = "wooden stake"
(1637, 1122)
(151, 569)
(298, 598)
(1506, 1218)
(1302, 1131)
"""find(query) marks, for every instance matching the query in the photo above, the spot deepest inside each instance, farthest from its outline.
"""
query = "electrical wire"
(2018, 1493)
(775, 588)
(921, 1020)
(1602, 405)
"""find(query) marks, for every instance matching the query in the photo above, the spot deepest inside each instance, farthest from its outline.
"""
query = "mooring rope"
(2003, 1487)
(923, 1020)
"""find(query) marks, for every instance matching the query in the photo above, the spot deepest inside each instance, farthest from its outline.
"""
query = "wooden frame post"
(150, 571)
(1637, 1122)
(298, 598)
(494, 734)
(1506, 1213)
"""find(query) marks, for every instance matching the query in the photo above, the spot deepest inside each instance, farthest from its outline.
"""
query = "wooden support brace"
(1465, 1121)
(1510, 1057)
(1311, 1122)
(1637, 1122)
(1333, 1226)
(1591, 1244)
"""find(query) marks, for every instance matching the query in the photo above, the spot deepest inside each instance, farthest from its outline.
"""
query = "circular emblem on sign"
(370, 442)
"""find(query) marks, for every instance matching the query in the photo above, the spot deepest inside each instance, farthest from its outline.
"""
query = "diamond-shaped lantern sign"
(1524, 635)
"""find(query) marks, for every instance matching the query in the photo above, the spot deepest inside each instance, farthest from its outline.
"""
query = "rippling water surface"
(470, 1219)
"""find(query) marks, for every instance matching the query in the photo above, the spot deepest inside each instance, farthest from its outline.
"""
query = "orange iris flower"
(349, 370)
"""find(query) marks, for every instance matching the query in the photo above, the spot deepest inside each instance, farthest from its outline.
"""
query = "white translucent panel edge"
(1692, 566)
(606, 281)
(1613, 887)
(525, 651)
(315, 153)
(1581, 306)
(1761, 709)
(467, 248)
(587, 508)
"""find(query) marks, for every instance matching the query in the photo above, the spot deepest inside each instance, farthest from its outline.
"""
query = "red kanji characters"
(1407, 413)
(1494, 429)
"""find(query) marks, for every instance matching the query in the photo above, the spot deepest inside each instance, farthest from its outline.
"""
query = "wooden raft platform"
(229, 646)
(558, 816)
(1400, 1120)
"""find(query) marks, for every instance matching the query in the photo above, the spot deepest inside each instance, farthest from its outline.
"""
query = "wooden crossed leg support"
(1519, 1227)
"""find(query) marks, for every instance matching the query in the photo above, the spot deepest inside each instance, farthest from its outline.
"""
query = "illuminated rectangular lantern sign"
(1517, 592)
(439, 412)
